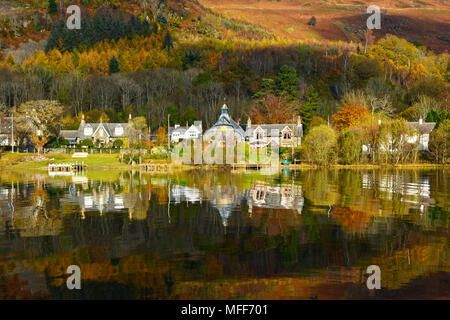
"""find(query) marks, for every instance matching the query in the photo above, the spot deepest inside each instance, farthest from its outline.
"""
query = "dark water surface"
(224, 235)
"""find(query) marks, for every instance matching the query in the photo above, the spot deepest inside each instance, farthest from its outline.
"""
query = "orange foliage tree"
(350, 115)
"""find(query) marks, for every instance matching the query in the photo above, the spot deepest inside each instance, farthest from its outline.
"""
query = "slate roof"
(69, 134)
(110, 129)
(225, 120)
(267, 128)
(181, 130)
(424, 128)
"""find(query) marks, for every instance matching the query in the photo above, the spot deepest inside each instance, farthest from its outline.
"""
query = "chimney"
(239, 121)
(379, 122)
(129, 118)
(177, 126)
(249, 123)
(187, 124)
(299, 121)
(420, 120)
(82, 120)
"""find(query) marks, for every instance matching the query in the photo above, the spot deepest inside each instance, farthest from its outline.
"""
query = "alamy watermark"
(228, 148)
(374, 20)
(74, 20)
(74, 281)
(374, 280)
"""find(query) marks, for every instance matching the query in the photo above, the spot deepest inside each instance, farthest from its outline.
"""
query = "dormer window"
(118, 131)
(287, 135)
(88, 130)
(259, 134)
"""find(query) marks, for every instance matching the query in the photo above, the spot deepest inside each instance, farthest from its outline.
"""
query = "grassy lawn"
(29, 160)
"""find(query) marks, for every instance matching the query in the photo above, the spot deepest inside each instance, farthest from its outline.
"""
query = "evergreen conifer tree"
(52, 7)
(287, 82)
(168, 41)
(113, 65)
(310, 106)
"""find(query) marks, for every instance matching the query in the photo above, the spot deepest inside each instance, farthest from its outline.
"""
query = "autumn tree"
(161, 136)
(138, 133)
(272, 109)
(440, 143)
(43, 116)
(349, 115)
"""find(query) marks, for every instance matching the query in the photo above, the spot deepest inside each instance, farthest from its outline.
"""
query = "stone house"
(102, 134)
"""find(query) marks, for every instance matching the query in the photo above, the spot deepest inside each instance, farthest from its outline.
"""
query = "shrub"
(319, 145)
(350, 146)
(118, 143)
(87, 143)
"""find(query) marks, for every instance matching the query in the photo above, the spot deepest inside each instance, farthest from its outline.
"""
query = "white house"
(178, 132)
(422, 136)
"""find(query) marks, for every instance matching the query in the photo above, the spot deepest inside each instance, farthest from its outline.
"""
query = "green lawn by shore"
(111, 161)
(32, 161)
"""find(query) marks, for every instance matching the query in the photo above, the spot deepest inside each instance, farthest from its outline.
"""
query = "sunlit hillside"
(427, 21)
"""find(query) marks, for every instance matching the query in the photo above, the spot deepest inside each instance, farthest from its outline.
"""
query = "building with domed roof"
(256, 135)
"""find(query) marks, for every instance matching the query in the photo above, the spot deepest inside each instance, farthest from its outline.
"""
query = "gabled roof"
(109, 128)
(182, 130)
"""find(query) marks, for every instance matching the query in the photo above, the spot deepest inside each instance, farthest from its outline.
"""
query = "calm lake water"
(223, 235)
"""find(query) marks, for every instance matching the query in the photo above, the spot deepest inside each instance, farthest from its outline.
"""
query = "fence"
(91, 150)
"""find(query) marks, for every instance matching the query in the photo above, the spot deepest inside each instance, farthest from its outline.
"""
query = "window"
(118, 131)
(260, 195)
(88, 131)
(287, 135)
(259, 135)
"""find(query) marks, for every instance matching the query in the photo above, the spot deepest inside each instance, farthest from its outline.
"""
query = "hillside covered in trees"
(154, 57)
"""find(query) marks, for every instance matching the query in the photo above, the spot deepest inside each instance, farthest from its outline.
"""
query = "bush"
(350, 146)
(319, 145)
(440, 143)
(117, 144)
(87, 143)
(56, 142)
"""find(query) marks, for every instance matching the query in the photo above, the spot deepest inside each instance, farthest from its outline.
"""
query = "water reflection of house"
(185, 194)
(102, 200)
(401, 188)
(225, 198)
(284, 196)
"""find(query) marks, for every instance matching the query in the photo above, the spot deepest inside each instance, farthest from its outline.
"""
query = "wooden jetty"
(67, 167)
(250, 166)
(154, 167)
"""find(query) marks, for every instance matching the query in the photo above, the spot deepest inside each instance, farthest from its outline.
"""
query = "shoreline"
(175, 167)
(103, 162)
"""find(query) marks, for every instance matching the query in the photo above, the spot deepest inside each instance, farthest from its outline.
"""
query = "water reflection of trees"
(155, 247)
